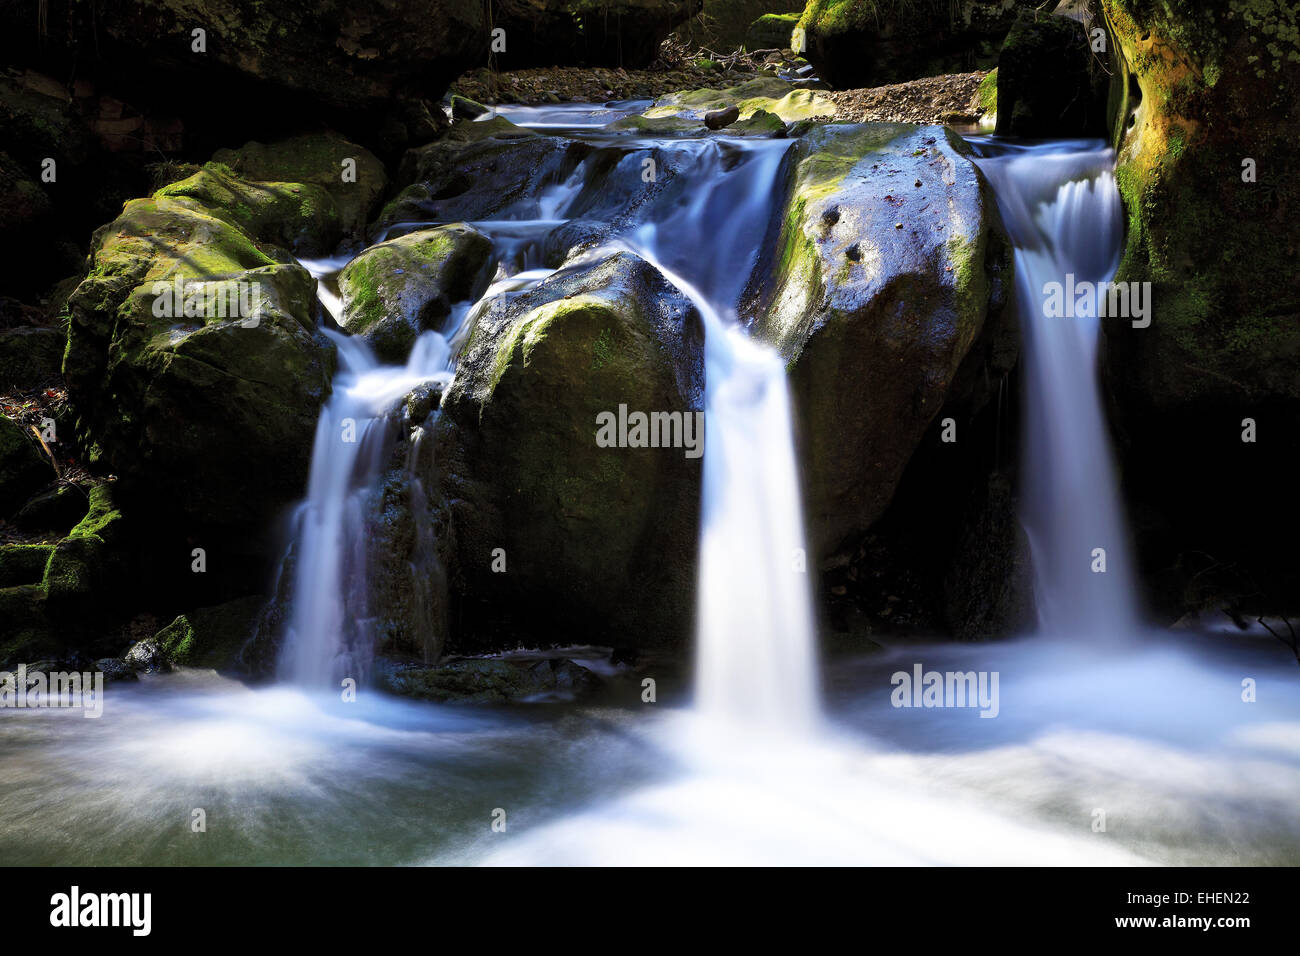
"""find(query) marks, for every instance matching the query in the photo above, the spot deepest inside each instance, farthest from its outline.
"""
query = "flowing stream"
(771, 763)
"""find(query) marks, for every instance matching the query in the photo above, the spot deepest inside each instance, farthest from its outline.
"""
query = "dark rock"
(1204, 93)
(24, 467)
(720, 118)
(874, 321)
(597, 543)
(1049, 83)
(31, 357)
(855, 44)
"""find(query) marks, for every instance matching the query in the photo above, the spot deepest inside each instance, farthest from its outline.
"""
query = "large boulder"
(475, 171)
(1210, 179)
(555, 535)
(397, 289)
(891, 264)
(196, 368)
(1050, 83)
(624, 33)
(350, 174)
(853, 43)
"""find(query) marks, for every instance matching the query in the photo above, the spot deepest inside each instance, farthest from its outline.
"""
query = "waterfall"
(330, 633)
(756, 656)
(756, 646)
(1063, 213)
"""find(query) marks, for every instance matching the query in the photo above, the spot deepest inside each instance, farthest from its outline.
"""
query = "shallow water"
(1158, 738)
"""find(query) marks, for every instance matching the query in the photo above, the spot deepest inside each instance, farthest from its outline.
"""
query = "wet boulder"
(477, 170)
(396, 289)
(569, 523)
(890, 265)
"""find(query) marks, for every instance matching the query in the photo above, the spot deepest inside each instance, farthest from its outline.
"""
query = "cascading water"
(755, 645)
(329, 636)
(1062, 210)
(756, 648)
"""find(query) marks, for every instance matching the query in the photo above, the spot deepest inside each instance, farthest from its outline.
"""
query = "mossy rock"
(760, 123)
(399, 288)
(301, 217)
(597, 540)
(771, 31)
(351, 174)
(879, 290)
(1207, 89)
(24, 467)
(987, 94)
(25, 632)
(766, 94)
(209, 637)
(204, 415)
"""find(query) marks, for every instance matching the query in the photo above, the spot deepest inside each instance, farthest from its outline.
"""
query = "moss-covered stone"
(771, 31)
(25, 632)
(1209, 89)
(889, 265)
(209, 637)
(24, 468)
(399, 288)
(598, 541)
(301, 217)
(201, 412)
(349, 173)
(988, 93)
(768, 94)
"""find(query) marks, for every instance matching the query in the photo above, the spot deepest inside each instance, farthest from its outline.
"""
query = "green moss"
(765, 93)
(988, 92)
